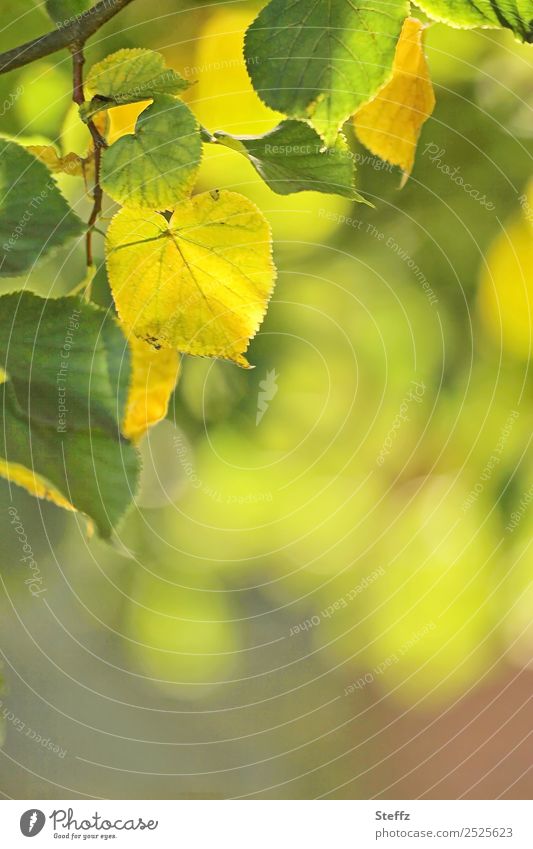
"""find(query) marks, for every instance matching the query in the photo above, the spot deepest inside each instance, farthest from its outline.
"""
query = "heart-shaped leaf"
(321, 61)
(156, 167)
(199, 282)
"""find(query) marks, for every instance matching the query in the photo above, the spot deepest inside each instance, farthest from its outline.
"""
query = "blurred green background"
(321, 589)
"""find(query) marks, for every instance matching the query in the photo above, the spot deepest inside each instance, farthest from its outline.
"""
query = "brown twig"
(78, 96)
(76, 31)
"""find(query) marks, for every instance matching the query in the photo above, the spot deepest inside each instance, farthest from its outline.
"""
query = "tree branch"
(78, 96)
(77, 31)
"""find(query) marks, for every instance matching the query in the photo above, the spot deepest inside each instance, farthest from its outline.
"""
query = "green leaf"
(68, 369)
(321, 61)
(516, 15)
(63, 12)
(129, 76)
(293, 158)
(35, 218)
(157, 166)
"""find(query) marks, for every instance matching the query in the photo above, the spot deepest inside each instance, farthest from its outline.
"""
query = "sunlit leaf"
(293, 158)
(68, 367)
(322, 61)
(129, 76)
(156, 167)
(35, 217)
(516, 15)
(389, 126)
(153, 378)
(199, 282)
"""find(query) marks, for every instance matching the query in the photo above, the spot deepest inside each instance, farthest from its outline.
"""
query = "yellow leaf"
(389, 126)
(70, 164)
(200, 282)
(122, 119)
(153, 378)
(506, 286)
(33, 483)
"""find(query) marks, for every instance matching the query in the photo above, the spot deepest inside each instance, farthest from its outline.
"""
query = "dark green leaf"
(59, 354)
(35, 217)
(321, 61)
(293, 158)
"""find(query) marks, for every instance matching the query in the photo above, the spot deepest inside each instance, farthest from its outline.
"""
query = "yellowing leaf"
(199, 282)
(153, 378)
(506, 285)
(122, 119)
(33, 483)
(128, 76)
(389, 126)
(70, 164)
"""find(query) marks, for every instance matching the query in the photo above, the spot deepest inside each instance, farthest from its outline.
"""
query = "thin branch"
(78, 96)
(76, 31)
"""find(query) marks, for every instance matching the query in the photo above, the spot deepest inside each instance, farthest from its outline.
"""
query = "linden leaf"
(199, 282)
(153, 378)
(35, 217)
(321, 61)
(506, 285)
(67, 367)
(516, 15)
(389, 126)
(157, 166)
(129, 76)
(292, 158)
(70, 164)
